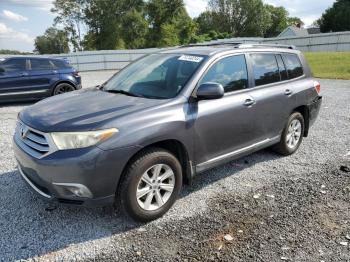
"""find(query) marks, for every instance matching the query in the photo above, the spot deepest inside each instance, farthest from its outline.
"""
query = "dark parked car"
(33, 78)
(166, 117)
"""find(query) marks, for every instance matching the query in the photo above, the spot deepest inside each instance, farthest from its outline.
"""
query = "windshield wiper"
(121, 92)
(131, 94)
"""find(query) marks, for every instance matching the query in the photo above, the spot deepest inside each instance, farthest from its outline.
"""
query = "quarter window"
(231, 72)
(60, 64)
(40, 64)
(265, 69)
(293, 65)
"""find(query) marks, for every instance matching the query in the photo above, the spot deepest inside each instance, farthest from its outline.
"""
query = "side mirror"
(209, 91)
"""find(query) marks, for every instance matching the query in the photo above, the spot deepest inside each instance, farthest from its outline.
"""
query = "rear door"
(42, 75)
(225, 125)
(274, 97)
(13, 78)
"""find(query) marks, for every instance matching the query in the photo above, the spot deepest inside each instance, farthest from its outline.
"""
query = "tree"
(54, 41)
(296, 21)
(169, 23)
(70, 13)
(240, 17)
(206, 22)
(336, 18)
(106, 19)
(316, 23)
(278, 20)
(234, 18)
(134, 29)
(13, 52)
(112, 24)
(168, 36)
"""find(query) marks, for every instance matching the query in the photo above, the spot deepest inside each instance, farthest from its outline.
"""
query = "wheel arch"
(61, 82)
(174, 146)
(304, 110)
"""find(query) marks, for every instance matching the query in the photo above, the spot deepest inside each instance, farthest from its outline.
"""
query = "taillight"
(76, 73)
(317, 87)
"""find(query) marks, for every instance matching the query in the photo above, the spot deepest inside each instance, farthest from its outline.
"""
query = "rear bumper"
(314, 109)
(92, 171)
(78, 79)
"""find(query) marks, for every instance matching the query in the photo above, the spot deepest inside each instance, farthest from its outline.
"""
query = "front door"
(225, 125)
(13, 78)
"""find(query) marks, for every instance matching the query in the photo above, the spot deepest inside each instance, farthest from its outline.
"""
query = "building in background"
(293, 30)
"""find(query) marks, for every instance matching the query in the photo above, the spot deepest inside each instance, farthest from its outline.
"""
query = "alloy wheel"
(155, 187)
(61, 89)
(294, 133)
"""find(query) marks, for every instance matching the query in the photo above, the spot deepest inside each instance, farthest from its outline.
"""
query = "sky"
(22, 20)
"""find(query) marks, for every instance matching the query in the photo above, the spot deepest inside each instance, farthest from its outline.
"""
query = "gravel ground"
(260, 208)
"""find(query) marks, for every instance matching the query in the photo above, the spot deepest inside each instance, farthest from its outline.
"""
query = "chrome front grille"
(33, 142)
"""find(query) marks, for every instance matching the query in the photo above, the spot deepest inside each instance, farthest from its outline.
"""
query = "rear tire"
(292, 135)
(150, 185)
(63, 88)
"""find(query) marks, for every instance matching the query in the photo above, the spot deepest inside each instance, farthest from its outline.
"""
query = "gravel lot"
(260, 208)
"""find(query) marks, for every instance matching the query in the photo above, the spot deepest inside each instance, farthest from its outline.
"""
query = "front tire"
(150, 185)
(292, 135)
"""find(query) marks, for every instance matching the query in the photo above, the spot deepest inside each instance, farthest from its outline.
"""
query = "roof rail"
(241, 45)
(213, 44)
(266, 45)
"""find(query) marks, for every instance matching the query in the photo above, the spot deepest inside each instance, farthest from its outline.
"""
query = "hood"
(87, 109)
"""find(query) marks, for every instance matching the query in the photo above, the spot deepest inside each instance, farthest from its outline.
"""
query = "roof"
(313, 30)
(293, 31)
(33, 57)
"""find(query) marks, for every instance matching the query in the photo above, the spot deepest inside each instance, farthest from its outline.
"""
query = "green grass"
(332, 65)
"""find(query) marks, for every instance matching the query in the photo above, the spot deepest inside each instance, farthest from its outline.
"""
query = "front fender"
(142, 128)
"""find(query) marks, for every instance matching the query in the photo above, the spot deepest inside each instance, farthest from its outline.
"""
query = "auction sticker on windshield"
(191, 58)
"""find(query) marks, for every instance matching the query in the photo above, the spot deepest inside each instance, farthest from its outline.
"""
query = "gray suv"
(136, 139)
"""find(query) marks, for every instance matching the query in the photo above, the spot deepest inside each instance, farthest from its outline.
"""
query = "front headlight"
(71, 140)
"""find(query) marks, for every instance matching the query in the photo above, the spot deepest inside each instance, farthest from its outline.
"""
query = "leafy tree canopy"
(111, 24)
(294, 21)
(278, 17)
(336, 18)
(54, 41)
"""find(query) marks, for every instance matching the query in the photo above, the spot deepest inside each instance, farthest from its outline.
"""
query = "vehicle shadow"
(29, 227)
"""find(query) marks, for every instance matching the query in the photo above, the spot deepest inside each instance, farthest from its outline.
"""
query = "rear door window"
(40, 64)
(230, 71)
(265, 69)
(14, 64)
(293, 65)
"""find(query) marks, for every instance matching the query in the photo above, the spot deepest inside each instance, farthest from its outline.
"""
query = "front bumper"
(55, 176)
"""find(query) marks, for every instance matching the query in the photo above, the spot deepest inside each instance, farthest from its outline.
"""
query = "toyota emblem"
(23, 131)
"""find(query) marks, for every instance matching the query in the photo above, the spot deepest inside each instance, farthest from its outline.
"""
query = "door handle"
(23, 74)
(288, 92)
(249, 102)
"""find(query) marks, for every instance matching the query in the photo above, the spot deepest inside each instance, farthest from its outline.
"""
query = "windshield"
(159, 76)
